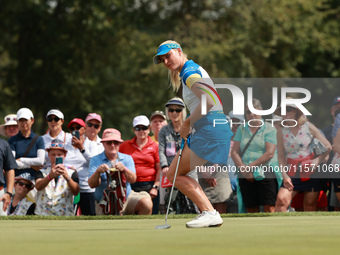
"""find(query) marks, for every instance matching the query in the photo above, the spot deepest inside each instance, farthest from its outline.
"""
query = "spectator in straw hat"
(136, 202)
(56, 184)
(21, 204)
(10, 128)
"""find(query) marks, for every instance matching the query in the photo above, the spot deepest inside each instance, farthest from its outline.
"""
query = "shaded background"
(96, 56)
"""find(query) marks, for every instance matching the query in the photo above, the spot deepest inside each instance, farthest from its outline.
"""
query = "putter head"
(165, 226)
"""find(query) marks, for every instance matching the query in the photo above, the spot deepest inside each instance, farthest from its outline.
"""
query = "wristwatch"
(9, 193)
(83, 150)
(155, 187)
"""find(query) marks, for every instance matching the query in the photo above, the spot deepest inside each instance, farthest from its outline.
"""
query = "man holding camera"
(56, 184)
(111, 159)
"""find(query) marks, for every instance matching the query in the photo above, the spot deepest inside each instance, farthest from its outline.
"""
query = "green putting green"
(298, 234)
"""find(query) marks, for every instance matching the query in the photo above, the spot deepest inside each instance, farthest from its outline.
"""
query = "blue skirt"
(210, 137)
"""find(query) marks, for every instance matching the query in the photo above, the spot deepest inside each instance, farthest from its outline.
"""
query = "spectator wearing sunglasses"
(27, 147)
(92, 146)
(157, 121)
(56, 184)
(144, 152)
(78, 156)
(10, 128)
(169, 143)
(21, 204)
(55, 121)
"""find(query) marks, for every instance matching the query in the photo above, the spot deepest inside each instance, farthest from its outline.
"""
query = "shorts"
(131, 202)
(210, 139)
(258, 193)
(310, 185)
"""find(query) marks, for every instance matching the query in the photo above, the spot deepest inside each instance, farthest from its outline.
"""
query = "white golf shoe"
(206, 219)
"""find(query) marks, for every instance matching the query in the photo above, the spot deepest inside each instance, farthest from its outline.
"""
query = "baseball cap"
(111, 134)
(93, 116)
(24, 113)
(158, 113)
(56, 144)
(336, 101)
(141, 120)
(78, 121)
(55, 112)
(164, 49)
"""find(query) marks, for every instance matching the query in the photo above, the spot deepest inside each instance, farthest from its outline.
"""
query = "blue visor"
(164, 49)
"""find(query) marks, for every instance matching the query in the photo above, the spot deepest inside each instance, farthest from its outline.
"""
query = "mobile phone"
(58, 160)
(76, 133)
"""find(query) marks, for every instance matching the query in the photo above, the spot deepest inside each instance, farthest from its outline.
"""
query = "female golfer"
(208, 142)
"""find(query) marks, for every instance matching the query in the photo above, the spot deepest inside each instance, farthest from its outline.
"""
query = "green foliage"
(96, 56)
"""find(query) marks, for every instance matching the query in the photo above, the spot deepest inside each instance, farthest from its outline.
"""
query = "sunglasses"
(96, 126)
(289, 109)
(113, 142)
(175, 110)
(141, 128)
(57, 145)
(28, 186)
(75, 128)
(11, 119)
(49, 119)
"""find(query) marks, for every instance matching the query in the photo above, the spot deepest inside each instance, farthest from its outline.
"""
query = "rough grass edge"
(160, 216)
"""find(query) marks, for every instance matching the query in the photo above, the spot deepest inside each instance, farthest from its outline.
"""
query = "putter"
(166, 225)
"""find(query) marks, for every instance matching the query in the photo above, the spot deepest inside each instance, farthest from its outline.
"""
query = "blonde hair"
(174, 78)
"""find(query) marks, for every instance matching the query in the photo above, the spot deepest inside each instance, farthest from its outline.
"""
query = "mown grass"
(255, 234)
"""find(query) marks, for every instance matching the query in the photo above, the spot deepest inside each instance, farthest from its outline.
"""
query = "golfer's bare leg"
(185, 184)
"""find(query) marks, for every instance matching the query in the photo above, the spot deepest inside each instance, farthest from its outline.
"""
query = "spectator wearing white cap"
(144, 152)
(55, 121)
(27, 147)
(157, 121)
(10, 128)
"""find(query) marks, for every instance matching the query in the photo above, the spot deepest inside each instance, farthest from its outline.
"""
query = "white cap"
(232, 115)
(24, 113)
(141, 120)
(55, 112)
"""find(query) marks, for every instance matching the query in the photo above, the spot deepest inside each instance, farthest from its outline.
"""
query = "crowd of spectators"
(271, 168)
